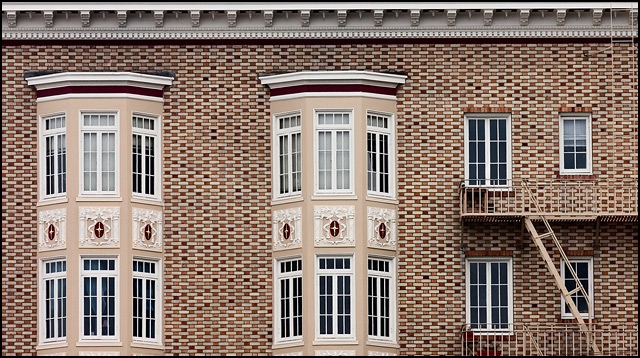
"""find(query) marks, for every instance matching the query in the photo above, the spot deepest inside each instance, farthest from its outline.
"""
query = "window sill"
(287, 200)
(99, 198)
(147, 201)
(147, 345)
(281, 345)
(52, 345)
(98, 343)
(575, 176)
(383, 344)
(53, 201)
(334, 197)
(382, 199)
(335, 342)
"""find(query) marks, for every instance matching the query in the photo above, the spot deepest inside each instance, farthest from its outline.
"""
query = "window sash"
(378, 176)
(99, 310)
(489, 291)
(335, 300)
(575, 146)
(289, 303)
(488, 151)
(99, 153)
(55, 301)
(334, 160)
(144, 164)
(55, 156)
(584, 272)
(289, 163)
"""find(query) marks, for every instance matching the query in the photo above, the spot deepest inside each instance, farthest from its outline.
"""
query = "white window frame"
(278, 276)
(92, 273)
(277, 132)
(391, 275)
(43, 156)
(157, 161)
(333, 128)
(335, 272)
(391, 133)
(487, 117)
(100, 129)
(488, 261)
(576, 116)
(590, 292)
(42, 300)
(157, 276)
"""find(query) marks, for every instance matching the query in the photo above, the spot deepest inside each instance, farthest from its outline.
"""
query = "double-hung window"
(55, 156)
(489, 294)
(146, 300)
(334, 154)
(289, 300)
(99, 153)
(55, 300)
(335, 298)
(575, 149)
(487, 150)
(380, 299)
(289, 155)
(379, 155)
(584, 270)
(145, 156)
(98, 283)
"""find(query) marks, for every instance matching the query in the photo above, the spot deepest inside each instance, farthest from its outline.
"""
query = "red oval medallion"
(334, 228)
(382, 230)
(98, 230)
(51, 232)
(286, 231)
(147, 232)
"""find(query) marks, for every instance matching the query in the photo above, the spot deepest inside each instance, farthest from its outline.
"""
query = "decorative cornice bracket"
(85, 17)
(12, 18)
(597, 17)
(451, 17)
(488, 17)
(231, 17)
(195, 18)
(524, 17)
(342, 18)
(268, 18)
(377, 17)
(48, 18)
(415, 17)
(122, 18)
(561, 15)
(158, 17)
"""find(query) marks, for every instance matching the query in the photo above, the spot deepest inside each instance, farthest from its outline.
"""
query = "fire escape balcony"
(559, 200)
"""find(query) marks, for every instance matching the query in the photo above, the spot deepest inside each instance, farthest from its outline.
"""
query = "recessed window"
(487, 150)
(335, 298)
(584, 271)
(54, 144)
(288, 300)
(289, 155)
(54, 301)
(146, 300)
(380, 157)
(99, 310)
(380, 299)
(334, 153)
(145, 156)
(99, 153)
(575, 146)
(489, 292)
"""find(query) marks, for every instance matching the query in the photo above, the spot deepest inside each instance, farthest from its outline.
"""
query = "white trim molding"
(349, 353)
(381, 237)
(287, 228)
(94, 220)
(388, 80)
(64, 79)
(338, 220)
(52, 220)
(147, 229)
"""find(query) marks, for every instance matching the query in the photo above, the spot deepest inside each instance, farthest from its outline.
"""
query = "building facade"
(320, 179)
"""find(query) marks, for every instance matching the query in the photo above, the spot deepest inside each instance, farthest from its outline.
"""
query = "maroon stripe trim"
(333, 88)
(99, 89)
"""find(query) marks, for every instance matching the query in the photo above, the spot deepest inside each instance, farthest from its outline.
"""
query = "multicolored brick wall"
(216, 147)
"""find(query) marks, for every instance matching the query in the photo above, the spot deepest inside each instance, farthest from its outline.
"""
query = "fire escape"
(539, 203)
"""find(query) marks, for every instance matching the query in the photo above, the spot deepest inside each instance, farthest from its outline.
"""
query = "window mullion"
(290, 162)
(334, 157)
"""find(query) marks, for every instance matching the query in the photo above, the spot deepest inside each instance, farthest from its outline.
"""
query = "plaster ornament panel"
(336, 353)
(287, 229)
(99, 227)
(289, 354)
(52, 230)
(147, 229)
(381, 354)
(334, 226)
(99, 353)
(381, 228)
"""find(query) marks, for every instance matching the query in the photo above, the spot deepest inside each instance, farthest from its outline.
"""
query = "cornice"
(388, 80)
(112, 79)
(229, 21)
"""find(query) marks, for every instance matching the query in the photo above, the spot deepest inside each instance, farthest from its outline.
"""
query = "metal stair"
(586, 330)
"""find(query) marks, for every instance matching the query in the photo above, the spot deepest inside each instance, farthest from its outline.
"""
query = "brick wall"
(217, 178)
